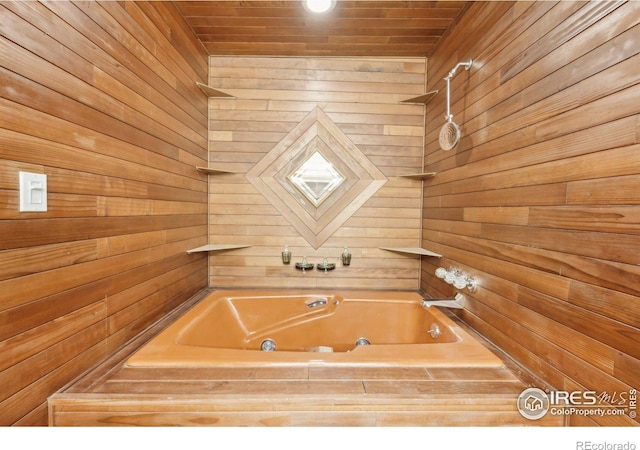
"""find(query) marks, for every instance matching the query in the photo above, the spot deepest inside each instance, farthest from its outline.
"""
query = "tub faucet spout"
(453, 302)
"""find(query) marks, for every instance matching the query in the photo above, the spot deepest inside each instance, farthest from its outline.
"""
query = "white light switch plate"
(33, 192)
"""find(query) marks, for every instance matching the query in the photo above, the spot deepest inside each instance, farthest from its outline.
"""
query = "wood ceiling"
(402, 28)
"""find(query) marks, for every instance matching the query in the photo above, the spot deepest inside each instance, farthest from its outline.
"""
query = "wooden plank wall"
(363, 98)
(100, 97)
(540, 200)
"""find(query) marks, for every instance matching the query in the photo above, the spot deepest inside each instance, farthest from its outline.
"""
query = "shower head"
(449, 135)
(450, 132)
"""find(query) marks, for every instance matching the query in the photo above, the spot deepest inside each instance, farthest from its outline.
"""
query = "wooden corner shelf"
(216, 247)
(412, 251)
(419, 176)
(423, 99)
(212, 171)
(211, 92)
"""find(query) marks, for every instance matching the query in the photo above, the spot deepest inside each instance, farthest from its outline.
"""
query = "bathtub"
(369, 328)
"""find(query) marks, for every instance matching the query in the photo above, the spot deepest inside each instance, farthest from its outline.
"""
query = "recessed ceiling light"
(319, 6)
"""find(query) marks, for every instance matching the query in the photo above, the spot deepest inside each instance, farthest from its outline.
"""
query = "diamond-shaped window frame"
(316, 133)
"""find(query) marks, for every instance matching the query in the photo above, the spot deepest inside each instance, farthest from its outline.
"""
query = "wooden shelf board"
(424, 98)
(216, 247)
(211, 171)
(211, 92)
(412, 251)
(419, 176)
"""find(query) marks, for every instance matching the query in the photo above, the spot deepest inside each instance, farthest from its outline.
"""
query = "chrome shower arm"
(449, 117)
(466, 64)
